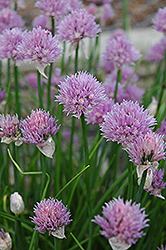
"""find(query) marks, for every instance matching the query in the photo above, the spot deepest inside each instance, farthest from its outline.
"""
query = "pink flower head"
(31, 79)
(39, 46)
(41, 21)
(9, 129)
(2, 95)
(10, 39)
(10, 19)
(156, 52)
(132, 92)
(5, 4)
(159, 21)
(126, 121)
(162, 129)
(77, 25)
(52, 8)
(122, 221)
(97, 114)
(75, 4)
(157, 185)
(51, 215)
(120, 51)
(37, 127)
(146, 149)
(79, 93)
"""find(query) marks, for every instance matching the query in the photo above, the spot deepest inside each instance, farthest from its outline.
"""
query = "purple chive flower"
(156, 52)
(162, 247)
(37, 127)
(157, 185)
(2, 95)
(120, 51)
(51, 215)
(146, 149)
(10, 39)
(100, 1)
(162, 129)
(39, 46)
(31, 79)
(10, 19)
(132, 92)
(80, 93)
(52, 8)
(126, 121)
(9, 129)
(159, 21)
(41, 21)
(5, 4)
(75, 4)
(122, 222)
(108, 14)
(77, 25)
(97, 114)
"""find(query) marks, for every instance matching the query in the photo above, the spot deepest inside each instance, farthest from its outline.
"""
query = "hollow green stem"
(118, 79)
(130, 181)
(17, 100)
(125, 15)
(39, 89)
(49, 87)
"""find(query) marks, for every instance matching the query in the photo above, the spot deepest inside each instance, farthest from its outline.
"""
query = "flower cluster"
(159, 21)
(39, 46)
(126, 121)
(122, 221)
(97, 114)
(80, 93)
(52, 8)
(77, 25)
(10, 19)
(157, 185)
(5, 4)
(51, 215)
(120, 51)
(156, 52)
(37, 127)
(9, 43)
(162, 129)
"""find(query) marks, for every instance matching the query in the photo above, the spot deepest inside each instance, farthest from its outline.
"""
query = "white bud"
(5, 240)
(16, 203)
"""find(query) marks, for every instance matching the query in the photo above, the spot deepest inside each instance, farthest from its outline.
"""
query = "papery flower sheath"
(5, 240)
(52, 216)
(122, 222)
(80, 93)
(41, 47)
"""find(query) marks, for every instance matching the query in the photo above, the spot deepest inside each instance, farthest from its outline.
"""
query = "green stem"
(52, 26)
(0, 73)
(63, 58)
(18, 235)
(17, 101)
(118, 79)
(130, 181)
(16, 177)
(125, 15)
(39, 89)
(76, 59)
(141, 187)
(55, 244)
(49, 87)
(43, 170)
(71, 143)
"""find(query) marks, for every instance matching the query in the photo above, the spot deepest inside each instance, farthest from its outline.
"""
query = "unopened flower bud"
(16, 203)
(5, 240)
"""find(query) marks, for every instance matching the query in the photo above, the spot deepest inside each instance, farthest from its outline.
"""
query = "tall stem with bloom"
(118, 79)
(125, 15)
